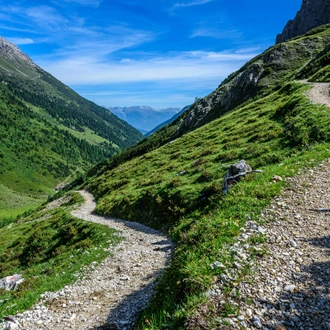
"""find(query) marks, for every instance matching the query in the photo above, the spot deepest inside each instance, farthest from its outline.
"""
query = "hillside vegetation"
(48, 133)
(173, 179)
(51, 249)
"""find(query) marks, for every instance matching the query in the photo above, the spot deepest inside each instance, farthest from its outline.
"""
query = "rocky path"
(319, 93)
(289, 287)
(114, 292)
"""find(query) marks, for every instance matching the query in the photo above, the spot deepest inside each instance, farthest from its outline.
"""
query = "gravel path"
(319, 93)
(289, 287)
(113, 293)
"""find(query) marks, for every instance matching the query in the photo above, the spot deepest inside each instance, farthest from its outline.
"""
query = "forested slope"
(47, 132)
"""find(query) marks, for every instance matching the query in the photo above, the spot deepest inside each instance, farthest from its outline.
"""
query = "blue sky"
(159, 53)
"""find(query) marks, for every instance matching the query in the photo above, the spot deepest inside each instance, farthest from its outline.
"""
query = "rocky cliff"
(312, 13)
(267, 71)
(10, 51)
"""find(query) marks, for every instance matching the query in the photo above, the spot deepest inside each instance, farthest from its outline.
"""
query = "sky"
(159, 53)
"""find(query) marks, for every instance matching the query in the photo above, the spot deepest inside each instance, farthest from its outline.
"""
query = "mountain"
(167, 121)
(143, 118)
(312, 13)
(47, 131)
(172, 180)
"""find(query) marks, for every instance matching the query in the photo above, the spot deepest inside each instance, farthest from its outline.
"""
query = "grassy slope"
(35, 155)
(177, 187)
(50, 249)
(47, 134)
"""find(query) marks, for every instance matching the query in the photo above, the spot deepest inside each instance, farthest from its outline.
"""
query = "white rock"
(289, 288)
(292, 243)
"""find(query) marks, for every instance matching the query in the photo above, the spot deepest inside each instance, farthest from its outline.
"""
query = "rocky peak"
(11, 52)
(312, 14)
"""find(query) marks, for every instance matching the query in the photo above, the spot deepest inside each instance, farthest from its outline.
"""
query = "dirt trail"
(113, 293)
(319, 93)
(289, 287)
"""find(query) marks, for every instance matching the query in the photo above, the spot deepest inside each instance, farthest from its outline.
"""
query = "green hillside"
(48, 133)
(51, 249)
(173, 180)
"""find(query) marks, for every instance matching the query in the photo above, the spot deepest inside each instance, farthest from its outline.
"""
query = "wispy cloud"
(73, 35)
(34, 18)
(96, 46)
(190, 3)
(172, 66)
(46, 16)
(216, 33)
(21, 41)
(93, 3)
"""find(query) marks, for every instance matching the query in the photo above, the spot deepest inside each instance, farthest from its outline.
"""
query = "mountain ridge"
(167, 122)
(144, 118)
(313, 13)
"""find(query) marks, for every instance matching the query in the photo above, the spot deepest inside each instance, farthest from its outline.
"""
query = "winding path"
(113, 293)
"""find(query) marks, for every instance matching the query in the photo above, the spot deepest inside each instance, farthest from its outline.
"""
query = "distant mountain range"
(144, 118)
(169, 121)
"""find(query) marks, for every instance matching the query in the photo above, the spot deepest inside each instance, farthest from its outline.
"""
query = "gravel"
(112, 294)
(288, 287)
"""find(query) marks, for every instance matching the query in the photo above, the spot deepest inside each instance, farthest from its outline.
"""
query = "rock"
(280, 327)
(229, 321)
(289, 288)
(217, 264)
(248, 312)
(293, 243)
(234, 174)
(277, 178)
(312, 14)
(12, 326)
(257, 323)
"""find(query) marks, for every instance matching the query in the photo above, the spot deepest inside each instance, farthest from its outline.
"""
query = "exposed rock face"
(312, 13)
(9, 51)
(253, 80)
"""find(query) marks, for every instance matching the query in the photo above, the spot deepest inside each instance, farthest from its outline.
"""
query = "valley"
(47, 133)
(187, 254)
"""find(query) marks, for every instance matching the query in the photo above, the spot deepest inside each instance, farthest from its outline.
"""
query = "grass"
(88, 135)
(51, 249)
(178, 188)
(13, 204)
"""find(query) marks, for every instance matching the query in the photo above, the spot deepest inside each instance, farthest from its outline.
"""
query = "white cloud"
(21, 41)
(190, 3)
(100, 44)
(203, 66)
(216, 33)
(46, 17)
(34, 18)
(93, 3)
